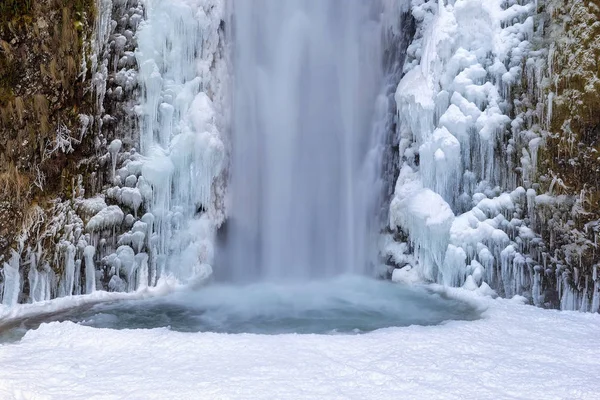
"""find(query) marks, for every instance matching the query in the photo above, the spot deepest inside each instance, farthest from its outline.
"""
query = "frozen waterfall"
(180, 69)
(306, 78)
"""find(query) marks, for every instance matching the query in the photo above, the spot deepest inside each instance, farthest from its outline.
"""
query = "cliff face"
(61, 100)
(570, 161)
(45, 72)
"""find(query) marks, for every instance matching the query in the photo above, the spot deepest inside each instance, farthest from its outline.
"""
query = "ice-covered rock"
(454, 117)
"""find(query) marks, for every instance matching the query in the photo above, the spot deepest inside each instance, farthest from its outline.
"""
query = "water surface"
(345, 305)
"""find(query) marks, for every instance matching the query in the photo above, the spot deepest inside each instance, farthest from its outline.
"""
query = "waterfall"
(306, 77)
(308, 139)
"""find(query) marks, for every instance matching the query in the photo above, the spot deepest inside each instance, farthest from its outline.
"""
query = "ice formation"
(183, 153)
(11, 286)
(159, 214)
(458, 145)
(452, 115)
(168, 186)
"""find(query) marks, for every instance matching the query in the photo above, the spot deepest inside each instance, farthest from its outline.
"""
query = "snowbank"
(40, 308)
(516, 351)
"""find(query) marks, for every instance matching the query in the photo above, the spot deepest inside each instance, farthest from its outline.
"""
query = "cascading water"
(307, 74)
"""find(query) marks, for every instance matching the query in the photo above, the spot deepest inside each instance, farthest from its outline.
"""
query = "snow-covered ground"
(514, 352)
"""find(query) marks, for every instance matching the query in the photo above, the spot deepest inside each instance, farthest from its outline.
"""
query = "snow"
(515, 351)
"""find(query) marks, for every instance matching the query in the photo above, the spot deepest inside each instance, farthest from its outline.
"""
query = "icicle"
(68, 279)
(77, 278)
(113, 150)
(12, 281)
(549, 110)
(90, 269)
(34, 279)
(142, 270)
(596, 293)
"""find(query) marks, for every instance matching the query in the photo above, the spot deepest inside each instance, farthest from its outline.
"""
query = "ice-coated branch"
(63, 141)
